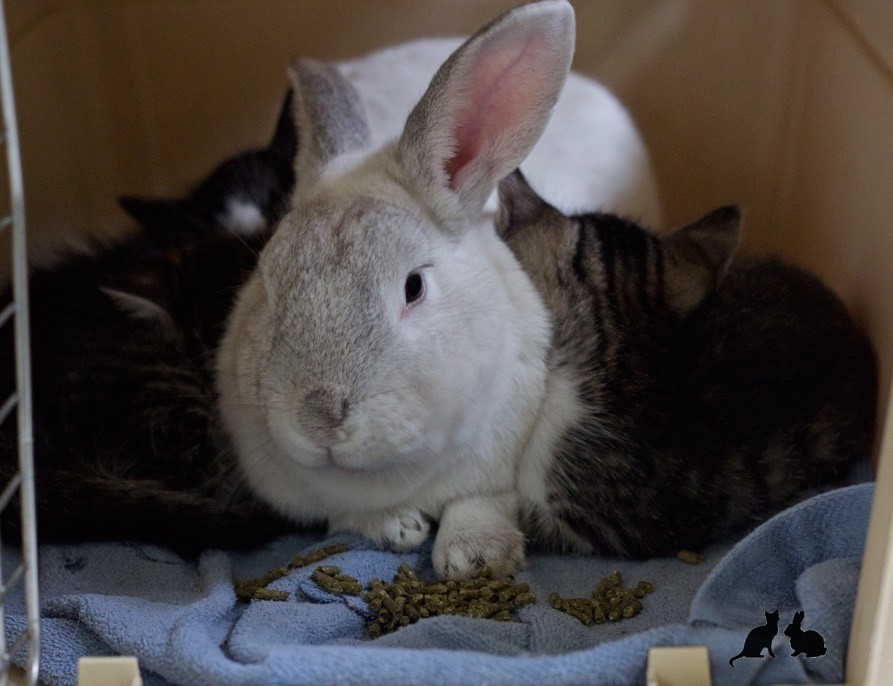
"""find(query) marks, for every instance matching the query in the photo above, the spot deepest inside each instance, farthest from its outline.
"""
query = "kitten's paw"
(399, 530)
(462, 553)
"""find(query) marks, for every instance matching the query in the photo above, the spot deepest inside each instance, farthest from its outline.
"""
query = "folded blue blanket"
(183, 622)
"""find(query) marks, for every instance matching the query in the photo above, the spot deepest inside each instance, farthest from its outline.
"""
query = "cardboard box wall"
(782, 106)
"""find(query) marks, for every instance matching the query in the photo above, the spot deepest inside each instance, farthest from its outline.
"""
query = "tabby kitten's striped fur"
(709, 391)
(127, 442)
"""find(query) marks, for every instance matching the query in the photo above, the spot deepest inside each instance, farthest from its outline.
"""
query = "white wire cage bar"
(16, 313)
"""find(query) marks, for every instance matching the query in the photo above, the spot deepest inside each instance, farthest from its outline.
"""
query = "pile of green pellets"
(610, 602)
(255, 589)
(409, 599)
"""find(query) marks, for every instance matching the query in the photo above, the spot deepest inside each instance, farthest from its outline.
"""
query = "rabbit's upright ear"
(798, 616)
(487, 106)
(329, 117)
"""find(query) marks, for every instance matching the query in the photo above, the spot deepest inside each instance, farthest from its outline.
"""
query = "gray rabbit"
(384, 364)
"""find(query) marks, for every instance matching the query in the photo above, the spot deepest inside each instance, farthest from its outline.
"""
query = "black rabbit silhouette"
(810, 643)
(759, 638)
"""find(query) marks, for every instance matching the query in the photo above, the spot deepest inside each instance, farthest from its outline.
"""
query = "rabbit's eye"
(414, 288)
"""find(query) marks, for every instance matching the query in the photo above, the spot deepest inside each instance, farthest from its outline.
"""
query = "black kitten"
(245, 195)
(705, 392)
(127, 442)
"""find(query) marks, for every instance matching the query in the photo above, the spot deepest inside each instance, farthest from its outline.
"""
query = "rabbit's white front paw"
(476, 533)
(399, 530)
(462, 553)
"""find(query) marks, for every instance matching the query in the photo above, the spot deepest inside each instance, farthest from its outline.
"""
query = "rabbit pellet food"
(409, 599)
(255, 589)
(329, 578)
(610, 602)
(690, 557)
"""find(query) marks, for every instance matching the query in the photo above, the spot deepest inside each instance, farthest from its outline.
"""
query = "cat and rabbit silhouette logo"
(807, 643)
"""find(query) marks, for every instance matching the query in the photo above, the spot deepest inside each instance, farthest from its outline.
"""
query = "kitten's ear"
(698, 256)
(519, 205)
(487, 106)
(284, 143)
(329, 116)
(155, 213)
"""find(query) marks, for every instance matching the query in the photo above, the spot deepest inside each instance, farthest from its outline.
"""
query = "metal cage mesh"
(16, 314)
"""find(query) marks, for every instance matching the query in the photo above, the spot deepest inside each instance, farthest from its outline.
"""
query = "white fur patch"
(243, 218)
(561, 409)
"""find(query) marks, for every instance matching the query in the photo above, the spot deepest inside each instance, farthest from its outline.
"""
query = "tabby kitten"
(709, 391)
(127, 441)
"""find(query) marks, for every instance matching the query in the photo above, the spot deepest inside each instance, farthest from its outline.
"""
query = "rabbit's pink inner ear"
(488, 105)
(501, 96)
(457, 162)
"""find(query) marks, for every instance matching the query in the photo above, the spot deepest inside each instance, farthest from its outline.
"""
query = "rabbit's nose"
(327, 408)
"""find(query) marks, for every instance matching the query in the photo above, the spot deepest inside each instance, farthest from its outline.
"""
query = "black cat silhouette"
(759, 638)
(810, 643)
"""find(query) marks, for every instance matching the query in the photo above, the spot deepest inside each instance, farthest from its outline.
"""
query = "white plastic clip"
(109, 671)
(678, 667)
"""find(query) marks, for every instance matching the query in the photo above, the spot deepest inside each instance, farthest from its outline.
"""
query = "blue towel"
(182, 620)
